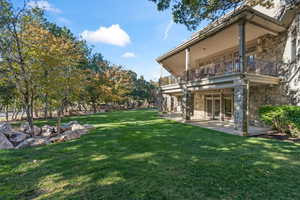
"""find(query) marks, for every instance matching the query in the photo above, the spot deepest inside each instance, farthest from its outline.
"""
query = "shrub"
(285, 119)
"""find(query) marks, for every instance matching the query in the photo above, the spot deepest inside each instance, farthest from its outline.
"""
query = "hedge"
(285, 118)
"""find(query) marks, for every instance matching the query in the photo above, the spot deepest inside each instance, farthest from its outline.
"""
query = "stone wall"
(278, 50)
(199, 112)
(264, 95)
(291, 68)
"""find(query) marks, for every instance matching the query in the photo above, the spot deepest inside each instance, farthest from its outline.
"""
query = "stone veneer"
(199, 112)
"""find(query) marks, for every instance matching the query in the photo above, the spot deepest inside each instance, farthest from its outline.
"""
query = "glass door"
(213, 107)
(217, 108)
(209, 108)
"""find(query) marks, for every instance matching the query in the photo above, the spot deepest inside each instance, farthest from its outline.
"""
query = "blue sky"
(133, 33)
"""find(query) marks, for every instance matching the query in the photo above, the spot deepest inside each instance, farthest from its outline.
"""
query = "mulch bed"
(278, 136)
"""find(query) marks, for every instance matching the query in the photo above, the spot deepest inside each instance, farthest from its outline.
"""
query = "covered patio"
(223, 126)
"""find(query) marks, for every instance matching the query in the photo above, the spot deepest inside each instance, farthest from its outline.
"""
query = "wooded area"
(47, 72)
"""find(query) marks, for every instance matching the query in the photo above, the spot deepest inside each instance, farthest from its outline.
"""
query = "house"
(229, 69)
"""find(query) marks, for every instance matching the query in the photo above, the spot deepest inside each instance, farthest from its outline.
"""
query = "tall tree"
(13, 51)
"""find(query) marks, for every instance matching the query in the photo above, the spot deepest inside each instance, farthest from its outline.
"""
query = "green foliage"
(283, 118)
(192, 12)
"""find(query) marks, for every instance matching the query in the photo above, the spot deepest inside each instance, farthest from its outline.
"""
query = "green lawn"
(136, 155)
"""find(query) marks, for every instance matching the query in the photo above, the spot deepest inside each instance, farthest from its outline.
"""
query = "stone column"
(241, 96)
(187, 96)
(164, 103)
(241, 90)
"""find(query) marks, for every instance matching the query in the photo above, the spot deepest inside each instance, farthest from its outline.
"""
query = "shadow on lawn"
(136, 155)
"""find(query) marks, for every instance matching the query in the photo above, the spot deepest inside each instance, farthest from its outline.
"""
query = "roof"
(218, 25)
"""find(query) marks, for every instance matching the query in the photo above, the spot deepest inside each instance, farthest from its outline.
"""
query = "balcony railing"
(256, 66)
(168, 80)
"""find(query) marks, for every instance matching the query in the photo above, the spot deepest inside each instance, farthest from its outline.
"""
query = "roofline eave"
(233, 18)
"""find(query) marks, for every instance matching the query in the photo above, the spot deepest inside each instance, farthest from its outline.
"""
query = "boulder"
(77, 127)
(24, 127)
(40, 142)
(68, 135)
(32, 142)
(68, 126)
(71, 135)
(48, 131)
(5, 128)
(59, 138)
(25, 143)
(5, 143)
(65, 127)
(17, 137)
(37, 130)
(88, 126)
(70, 123)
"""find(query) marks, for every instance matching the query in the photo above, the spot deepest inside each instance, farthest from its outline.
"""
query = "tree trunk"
(59, 115)
(36, 113)
(16, 115)
(22, 115)
(6, 113)
(50, 113)
(58, 124)
(94, 107)
(46, 107)
(29, 117)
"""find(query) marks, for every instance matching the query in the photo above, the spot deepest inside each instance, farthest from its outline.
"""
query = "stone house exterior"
(244, 60)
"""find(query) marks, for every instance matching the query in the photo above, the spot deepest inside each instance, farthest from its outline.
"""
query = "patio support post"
(241, 90)
(222, 106)
(187, 97)
(242, 46)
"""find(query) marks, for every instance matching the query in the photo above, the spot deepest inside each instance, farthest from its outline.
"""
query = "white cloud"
(114, 35)
(45, 5)
(128, 55)
(167, 30)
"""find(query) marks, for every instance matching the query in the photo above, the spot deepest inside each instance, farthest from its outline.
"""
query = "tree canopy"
(192, 12)
(46, 69)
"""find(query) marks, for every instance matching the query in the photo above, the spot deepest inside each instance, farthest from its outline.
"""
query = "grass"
(135, 155)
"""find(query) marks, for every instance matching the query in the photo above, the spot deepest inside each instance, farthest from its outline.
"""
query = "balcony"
(254, 66)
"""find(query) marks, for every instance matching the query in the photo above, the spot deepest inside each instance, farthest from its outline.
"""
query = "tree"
(7, 90)
(192, 12)
(13, 51)
(41, 57)
(57, 55)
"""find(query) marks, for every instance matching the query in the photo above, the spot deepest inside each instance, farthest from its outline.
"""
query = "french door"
(213, 107)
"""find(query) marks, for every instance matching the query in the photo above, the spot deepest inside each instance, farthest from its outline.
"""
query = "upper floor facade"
(257, 43)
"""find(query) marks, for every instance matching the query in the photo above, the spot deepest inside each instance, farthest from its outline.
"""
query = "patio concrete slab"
(223, 126)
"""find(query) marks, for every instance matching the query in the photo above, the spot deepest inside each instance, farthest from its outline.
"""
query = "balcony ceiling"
(222, 40)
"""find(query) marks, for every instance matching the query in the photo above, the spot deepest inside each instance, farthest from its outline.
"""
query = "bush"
(285, 119)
